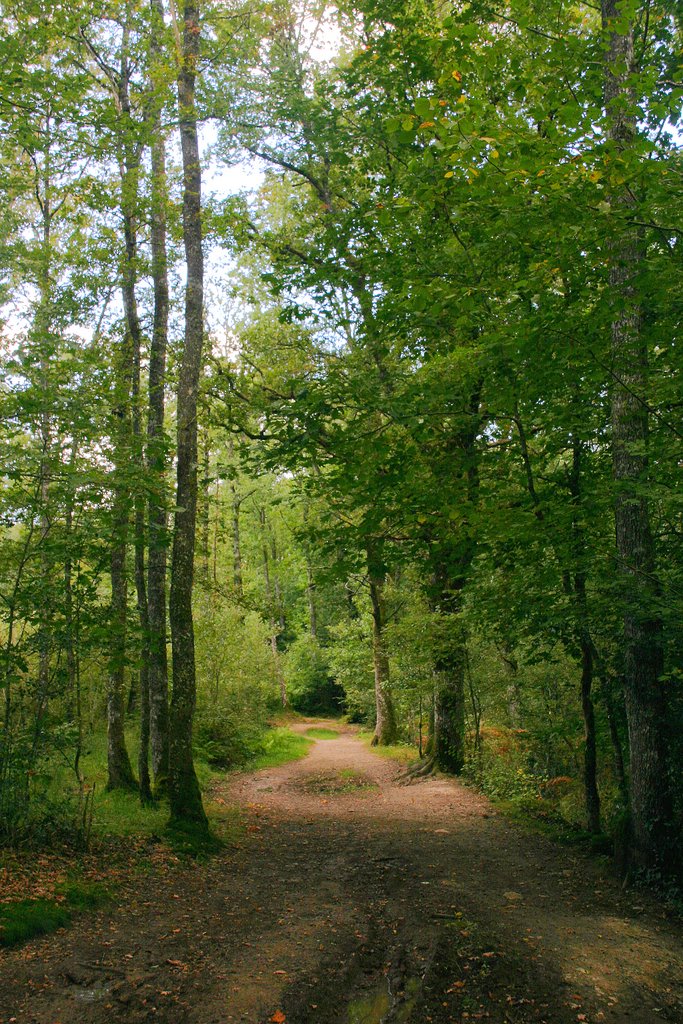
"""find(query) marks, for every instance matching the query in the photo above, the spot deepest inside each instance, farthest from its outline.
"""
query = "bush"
(500, 768)
(223, 738)
(31, 807)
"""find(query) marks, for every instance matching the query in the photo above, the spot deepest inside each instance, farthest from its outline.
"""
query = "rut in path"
(356, 900)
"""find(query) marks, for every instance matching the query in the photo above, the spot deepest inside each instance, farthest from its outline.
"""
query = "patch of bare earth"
(356, 900)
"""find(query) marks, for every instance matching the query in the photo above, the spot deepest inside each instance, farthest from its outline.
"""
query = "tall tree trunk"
(579, 556)
(184, 792)
(590, 760)
(270, 605)
(236, 548)
(43, 329)
(120, 773)
(310, 594)
(447, 744)
(310, 583)
(451, 560)
(386, 730)
(607, 696)
(156, 446)
(277, 589)
(646, 709)
(130, 168)
(70, 620)
(205, 509)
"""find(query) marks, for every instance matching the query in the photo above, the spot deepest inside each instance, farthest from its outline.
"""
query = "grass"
(344, 782)
(22, 920)
(280, 746)
(404, 753)
(320, 733)
(119, 814)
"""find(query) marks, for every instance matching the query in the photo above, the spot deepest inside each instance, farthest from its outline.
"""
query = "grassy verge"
(280, 745)
(320, 733)
(404, 753)
(21, 920)
(119, 813)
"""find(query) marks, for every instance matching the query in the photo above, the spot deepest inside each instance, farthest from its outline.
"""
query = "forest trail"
(356, 900)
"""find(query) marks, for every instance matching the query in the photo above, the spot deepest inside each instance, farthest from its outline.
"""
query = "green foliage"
(310, 688)
(500, 768)
(412, 379)
(237, 685)
(21, 921)
(350, 656)
(225, 737)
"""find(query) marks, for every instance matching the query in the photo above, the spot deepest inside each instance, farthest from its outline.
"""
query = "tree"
(637, 583)
(184, 792)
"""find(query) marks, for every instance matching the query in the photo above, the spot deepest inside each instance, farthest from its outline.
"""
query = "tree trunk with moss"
(386, 730)
(643, 663)
(156, 446)
(184, 792)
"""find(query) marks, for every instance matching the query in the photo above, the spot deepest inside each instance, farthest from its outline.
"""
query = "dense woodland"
(340, 371)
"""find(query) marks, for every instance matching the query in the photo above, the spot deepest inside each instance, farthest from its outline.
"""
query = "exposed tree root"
(418, 771)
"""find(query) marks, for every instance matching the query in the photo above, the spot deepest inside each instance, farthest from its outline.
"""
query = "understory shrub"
(237, 685)
(31, 807)
(223, 738)
(500, 766)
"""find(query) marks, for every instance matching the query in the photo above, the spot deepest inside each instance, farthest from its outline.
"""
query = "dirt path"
(354, 900)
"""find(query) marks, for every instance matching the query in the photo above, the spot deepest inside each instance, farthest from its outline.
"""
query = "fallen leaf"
(278, 1017)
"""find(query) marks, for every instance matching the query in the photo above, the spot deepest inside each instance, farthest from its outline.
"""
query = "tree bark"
(448, 735)
(236, 546)
(310, 584)
(590, 761)
(646, 709)
(184, 792)
(310, 594)
(120, 773)
(579, 556)
(386, 730)
(156, 447)
(130, 167)
(270, 606)
(451, 560)
(205, 509)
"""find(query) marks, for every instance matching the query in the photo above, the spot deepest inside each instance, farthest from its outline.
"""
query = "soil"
(355, 899)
